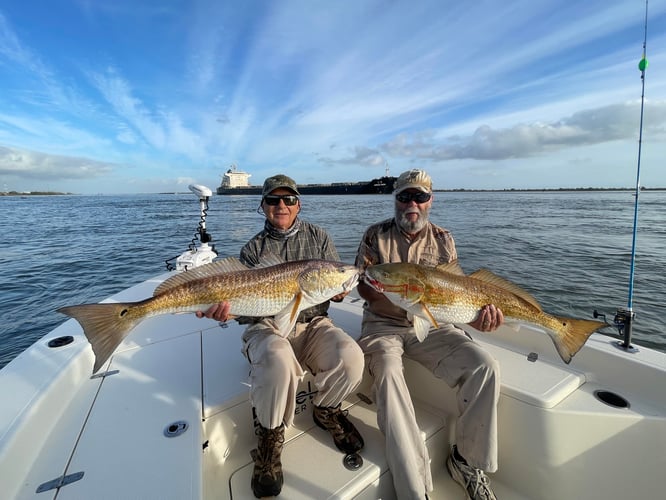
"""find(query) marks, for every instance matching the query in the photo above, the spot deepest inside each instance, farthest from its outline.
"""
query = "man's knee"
(353, 359)
(386, 368)
(276, 359)
(487, 368)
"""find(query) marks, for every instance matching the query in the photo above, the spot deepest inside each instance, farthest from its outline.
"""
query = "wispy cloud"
(40, 166)
(587, 127)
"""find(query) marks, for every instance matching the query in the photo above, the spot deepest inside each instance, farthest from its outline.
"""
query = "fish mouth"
(350, 283)
(369, 280)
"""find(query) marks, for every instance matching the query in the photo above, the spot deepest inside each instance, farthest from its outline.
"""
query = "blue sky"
(149, 96)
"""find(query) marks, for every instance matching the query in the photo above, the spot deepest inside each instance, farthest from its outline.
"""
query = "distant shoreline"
(33, 193)
(539, 190)
(459, 190)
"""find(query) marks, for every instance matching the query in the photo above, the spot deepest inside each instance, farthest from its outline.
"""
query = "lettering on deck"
(304, 397)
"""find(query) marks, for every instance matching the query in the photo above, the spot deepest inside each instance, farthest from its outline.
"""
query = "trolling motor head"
(204, 253)
(201, 191)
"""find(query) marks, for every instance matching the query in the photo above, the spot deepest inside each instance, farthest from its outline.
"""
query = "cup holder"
(611, 399)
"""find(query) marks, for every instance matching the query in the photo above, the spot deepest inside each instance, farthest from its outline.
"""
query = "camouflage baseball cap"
(413, 179)
(279, 181)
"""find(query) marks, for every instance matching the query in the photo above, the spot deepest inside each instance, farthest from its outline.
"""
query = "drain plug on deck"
(176, 429)
(352, 461)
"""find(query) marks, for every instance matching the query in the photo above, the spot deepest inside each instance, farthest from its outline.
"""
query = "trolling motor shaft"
(204, 253)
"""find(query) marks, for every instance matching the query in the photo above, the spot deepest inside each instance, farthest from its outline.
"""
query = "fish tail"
(573, 334)
(104, 325)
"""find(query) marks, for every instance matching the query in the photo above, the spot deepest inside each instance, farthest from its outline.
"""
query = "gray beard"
(412, 227)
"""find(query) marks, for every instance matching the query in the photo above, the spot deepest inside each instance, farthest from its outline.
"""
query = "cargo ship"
(235, 181)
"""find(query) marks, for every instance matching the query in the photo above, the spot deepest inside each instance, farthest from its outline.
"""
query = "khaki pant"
(451, 355)
(278, 364)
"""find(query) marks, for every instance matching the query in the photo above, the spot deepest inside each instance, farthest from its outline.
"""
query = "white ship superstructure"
(234, 178)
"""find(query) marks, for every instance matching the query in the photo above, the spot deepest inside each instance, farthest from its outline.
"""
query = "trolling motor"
(204, 253)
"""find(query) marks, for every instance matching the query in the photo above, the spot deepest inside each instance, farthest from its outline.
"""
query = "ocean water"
(571, 250)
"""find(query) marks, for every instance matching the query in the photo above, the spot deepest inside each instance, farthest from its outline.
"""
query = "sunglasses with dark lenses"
(418, 197)
(274, 199)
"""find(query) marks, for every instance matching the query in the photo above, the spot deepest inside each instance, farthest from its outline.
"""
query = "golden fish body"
(282, 290)
(445, 295)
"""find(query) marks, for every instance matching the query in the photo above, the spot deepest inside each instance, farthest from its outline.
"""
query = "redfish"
(443, 294)
(281, 290)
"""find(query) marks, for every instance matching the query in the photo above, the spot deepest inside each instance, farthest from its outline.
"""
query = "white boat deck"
(557, 440)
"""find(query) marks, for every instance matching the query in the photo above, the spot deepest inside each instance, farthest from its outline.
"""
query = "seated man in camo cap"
(332, 356)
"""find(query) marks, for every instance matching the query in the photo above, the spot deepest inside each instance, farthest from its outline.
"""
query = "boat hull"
(380, 185)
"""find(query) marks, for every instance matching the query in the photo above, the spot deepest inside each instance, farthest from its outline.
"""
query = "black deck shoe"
(267, 476)
(345, 436)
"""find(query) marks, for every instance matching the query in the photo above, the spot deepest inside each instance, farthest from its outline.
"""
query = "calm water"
(571, 250)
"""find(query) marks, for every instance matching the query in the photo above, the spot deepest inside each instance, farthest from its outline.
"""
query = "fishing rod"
(625, 316)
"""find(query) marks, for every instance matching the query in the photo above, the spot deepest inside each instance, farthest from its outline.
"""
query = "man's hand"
(218, 312)
(339, 297)
(490, 318)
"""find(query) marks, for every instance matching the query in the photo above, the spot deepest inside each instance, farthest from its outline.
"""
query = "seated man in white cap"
(387, 334)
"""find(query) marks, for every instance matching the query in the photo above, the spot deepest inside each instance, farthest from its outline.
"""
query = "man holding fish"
(277, 358)
(388, 333)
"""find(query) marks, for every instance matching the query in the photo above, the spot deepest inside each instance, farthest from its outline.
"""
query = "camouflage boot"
(345, 436)
(267, 476)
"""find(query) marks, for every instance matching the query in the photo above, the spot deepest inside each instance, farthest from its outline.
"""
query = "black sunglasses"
(418, 197)
(274, 199)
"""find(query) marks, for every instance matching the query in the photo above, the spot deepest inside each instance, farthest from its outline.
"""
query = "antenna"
(628, 314)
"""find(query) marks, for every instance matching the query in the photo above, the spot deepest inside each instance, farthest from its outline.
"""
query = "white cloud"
(17, 163)
(588, 127)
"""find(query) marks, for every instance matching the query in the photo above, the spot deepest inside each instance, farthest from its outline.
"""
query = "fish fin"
(295, 307)
(423, 320)
(104, 325)
(489, 277)
(573, 335)
(222, 266)
(429, 316)
(421, 327)
(286, 318)
(451, 267)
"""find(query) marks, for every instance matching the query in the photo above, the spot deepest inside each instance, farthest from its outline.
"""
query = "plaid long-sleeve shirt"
(309, 242)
